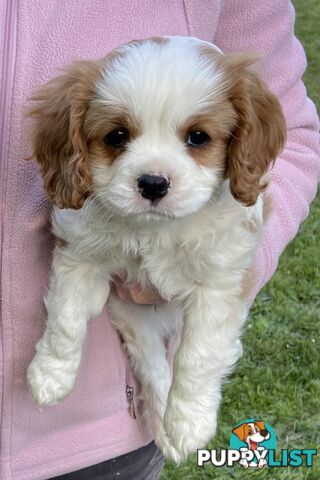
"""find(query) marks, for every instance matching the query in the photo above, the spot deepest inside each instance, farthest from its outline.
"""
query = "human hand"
(133, 293)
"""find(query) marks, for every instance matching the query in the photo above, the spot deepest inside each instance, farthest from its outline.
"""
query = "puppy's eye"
(197, 139)
(116, 138)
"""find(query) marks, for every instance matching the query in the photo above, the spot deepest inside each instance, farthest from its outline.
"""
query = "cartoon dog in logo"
(252, 433)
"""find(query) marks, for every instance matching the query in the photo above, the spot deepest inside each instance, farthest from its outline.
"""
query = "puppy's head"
(154, 128)
(252, 433)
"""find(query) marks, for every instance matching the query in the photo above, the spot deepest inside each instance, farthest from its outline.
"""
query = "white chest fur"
(173, 254)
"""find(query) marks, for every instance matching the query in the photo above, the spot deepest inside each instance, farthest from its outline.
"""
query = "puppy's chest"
(172, 263)
(158, 257)
(171, 259)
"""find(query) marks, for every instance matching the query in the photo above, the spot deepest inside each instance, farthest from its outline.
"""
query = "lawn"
(278, 377)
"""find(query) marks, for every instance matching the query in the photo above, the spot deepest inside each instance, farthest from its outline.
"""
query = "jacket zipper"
(130, 398)
(7, 77)
(130, 392)
(6, 90)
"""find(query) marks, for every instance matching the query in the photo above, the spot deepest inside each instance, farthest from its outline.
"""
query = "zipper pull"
(132, 410)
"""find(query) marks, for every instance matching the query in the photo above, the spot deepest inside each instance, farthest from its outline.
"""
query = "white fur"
(194, 247)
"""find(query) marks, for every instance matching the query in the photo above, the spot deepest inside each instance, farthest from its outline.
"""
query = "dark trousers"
(142, 464)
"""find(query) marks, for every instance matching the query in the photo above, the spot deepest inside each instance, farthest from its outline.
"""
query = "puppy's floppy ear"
(260, 424)
(260, 131)
(239, 432)
(59, 145)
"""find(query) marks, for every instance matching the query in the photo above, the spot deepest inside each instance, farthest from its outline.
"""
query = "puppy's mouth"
(253, 445)
(158, 209)
(157, 214)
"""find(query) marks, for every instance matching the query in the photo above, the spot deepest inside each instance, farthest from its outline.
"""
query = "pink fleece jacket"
(39, 36)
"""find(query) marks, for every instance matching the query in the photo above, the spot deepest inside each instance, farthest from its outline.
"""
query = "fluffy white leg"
(144, 329)
(209, 348)
(77, 292)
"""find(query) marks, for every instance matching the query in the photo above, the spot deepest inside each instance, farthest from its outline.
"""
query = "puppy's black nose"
(264, 433)
(153, 187)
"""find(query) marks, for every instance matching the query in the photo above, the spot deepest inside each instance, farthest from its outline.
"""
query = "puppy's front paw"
(188, 425)
(168, 450)
(154, 411)
(50, 380)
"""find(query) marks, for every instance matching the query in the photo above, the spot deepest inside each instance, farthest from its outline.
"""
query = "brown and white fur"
(252, 433)
(195, 244)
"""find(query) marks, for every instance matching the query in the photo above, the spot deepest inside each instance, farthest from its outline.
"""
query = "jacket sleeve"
(267, 28)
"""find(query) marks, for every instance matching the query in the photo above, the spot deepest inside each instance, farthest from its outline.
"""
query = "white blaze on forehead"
(252, 427)
(161, 82)
(183, 40)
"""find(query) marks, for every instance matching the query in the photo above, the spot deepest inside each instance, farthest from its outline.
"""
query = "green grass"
(278, 378)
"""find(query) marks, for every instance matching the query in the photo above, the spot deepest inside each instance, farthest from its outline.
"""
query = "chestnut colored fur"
(98, 122)
(260, 132)
(58, 143)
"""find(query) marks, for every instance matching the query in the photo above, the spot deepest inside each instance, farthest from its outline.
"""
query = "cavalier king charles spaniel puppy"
(154, 159)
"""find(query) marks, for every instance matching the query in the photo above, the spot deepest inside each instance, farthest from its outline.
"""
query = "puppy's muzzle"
(153, 187)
